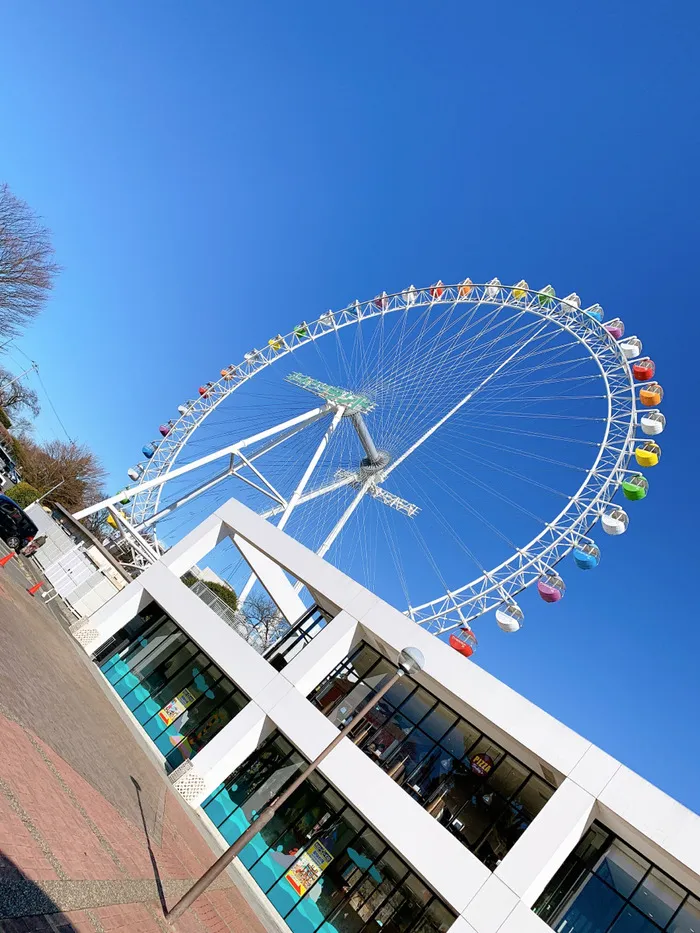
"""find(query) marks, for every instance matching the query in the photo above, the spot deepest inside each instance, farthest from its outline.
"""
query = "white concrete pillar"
(195, 545)
(522, 920)
(317, 659)
(550, 838)
(273, 579)
(490, 906)
(220, 757)
(93, 632)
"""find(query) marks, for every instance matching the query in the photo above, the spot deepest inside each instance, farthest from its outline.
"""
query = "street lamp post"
(411, 660)
(49, 491)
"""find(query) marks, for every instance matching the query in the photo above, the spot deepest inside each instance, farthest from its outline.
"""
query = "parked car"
(17, 529)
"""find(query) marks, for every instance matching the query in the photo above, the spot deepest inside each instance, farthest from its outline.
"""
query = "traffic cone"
(35, 589)
(6, 559)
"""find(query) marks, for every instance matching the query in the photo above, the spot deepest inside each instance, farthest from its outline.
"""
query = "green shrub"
(23, 494)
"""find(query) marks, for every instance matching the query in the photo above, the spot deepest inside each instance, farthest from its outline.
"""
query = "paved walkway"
(92, 839)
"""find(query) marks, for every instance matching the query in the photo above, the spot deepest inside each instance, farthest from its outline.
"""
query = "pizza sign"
(481, 765)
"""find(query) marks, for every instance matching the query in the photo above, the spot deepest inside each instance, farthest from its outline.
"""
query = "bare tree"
(17, 398)
(264, 623)
(27, 269)
(72, 468)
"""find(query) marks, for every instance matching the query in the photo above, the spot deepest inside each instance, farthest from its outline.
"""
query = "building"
(455, 805)
(207, 575)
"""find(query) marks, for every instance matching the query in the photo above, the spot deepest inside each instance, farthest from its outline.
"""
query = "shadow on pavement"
(23, 904)
(154, 864)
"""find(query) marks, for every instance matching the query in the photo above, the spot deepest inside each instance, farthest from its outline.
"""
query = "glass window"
(484, 757)
(438, 721)
(631, 921)
(362, 659)
(432, 777)
(475, 821)
(436, 919)
(418, 704)
(378, 676)
(622, 868)
(349, 703)
(573, 872)
(395, 915)
(166, 682)
(658, 897)
(375, 718)
(593, 910)
(384, 742)
(412, 752)
(380, 883)
(687, 920)
(616, 892)
(173, 689)
(207, 716)
(319, 863)
(334, 689)
(460, 739)
(508, 777)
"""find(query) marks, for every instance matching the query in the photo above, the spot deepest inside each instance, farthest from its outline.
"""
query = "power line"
(45, 390)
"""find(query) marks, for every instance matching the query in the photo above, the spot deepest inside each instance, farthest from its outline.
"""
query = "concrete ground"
(92, 837)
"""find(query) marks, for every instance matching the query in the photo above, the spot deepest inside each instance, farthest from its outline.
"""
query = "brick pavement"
(92, 839)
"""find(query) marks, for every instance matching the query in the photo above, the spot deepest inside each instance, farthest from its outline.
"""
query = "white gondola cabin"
(615, 521)
(509, 617)
(652, 422)
(631, 347)
(492, 288)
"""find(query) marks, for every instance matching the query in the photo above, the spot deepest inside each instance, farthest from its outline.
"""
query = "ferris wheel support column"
(302, 420)
(344, 517)
(301, 486)
(183, 500)
(137, 540)
(341, 523)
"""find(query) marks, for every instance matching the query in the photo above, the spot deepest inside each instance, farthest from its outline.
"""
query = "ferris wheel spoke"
(425, 398)
(344, 518)
(438, 424)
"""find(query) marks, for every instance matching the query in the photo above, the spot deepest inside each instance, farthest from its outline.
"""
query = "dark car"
(17, 529)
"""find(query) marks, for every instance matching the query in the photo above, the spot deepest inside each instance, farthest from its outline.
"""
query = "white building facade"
(455, 804)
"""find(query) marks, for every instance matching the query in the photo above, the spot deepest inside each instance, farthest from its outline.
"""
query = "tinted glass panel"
(460, 739)
(438, 722)
(609, 900)
(622, 868)
(174, 690)
(594, 909)
(687, 920)
(631, 921)
(418, 704)
(658, 897)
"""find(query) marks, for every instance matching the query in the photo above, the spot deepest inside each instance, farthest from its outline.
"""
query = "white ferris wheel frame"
(459, 606)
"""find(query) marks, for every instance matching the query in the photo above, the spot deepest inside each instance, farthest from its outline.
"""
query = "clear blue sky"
(190, 158)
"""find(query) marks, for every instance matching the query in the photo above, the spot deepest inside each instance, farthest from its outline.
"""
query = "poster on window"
(177, 706)
(309, 867)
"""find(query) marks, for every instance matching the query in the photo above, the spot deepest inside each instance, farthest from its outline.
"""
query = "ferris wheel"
(448, 446)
